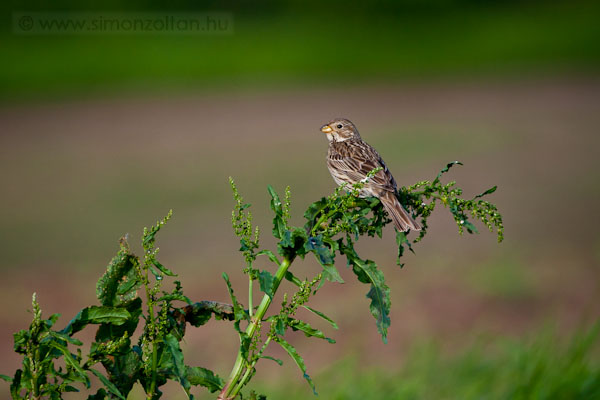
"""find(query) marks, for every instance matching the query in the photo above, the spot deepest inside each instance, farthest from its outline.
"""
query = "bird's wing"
(358, 162)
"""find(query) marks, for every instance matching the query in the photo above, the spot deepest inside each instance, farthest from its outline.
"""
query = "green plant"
(333, 225)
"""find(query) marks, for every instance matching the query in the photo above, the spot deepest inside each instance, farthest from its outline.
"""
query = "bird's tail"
(397, 213)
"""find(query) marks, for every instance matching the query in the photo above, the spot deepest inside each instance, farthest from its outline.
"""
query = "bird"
(350, 159)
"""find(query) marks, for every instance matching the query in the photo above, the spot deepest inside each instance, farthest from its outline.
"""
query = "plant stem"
(249, 370)
(150, 393)
(250, 287)
(229, 390)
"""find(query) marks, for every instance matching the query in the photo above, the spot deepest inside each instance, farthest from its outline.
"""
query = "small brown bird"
(350, 159)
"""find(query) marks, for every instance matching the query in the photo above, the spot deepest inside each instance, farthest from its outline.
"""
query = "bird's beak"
(326, 129)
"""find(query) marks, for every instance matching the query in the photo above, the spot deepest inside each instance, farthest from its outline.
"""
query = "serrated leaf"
(6, 378)
(308, 330)
(380, 309)
(320, 314)
(108, 384)
(265, 278)
(379, 293)
(297, 359)
(198, 376)
(178, 368)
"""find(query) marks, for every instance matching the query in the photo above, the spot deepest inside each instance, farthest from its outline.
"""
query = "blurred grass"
(295, 49)
(543, 367)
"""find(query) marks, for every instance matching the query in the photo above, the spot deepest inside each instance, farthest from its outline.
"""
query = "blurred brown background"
(103, 134)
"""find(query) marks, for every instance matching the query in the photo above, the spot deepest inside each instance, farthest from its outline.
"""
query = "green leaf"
(178, 368)
(108, 384)
(238, 311)
(198, 314)
(163, 269)
(156, 273)
(20, 341)
(70, 361)
(320, 314)
(277, 360)
(66, 338)
(446, 169)
(271, 256)
(15, 386)
(324, 256)
(297, 359)
(401, 241)
(6, 378)
(489, 191)
(379, 294)
(313, 211)
(292, 243)
(120, 282)
(280, 326)
(174, 296)
(308, 330)
(292, 278)
(265, 279)
(469, 226)
(380, 308)
(108, 331)
(97, 315)
(198, 376)
(279, 226)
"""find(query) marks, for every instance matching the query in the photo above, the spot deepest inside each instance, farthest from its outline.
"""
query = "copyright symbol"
(26, 23)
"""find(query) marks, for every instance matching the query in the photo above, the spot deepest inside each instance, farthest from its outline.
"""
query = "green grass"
(271, 51)
(542, 368)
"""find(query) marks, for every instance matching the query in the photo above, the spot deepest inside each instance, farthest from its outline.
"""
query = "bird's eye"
(339, 126)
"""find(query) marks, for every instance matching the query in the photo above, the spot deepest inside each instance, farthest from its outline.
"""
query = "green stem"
(250, 287)
(150, 393)
(240, 363)
(249, 370)
(318, 223)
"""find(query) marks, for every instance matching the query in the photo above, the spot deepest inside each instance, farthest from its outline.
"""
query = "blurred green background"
(103, 134)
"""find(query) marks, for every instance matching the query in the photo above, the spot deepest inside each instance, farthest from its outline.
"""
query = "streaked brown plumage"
(350, 159)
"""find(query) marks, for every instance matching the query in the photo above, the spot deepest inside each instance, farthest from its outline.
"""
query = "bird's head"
(340, 129)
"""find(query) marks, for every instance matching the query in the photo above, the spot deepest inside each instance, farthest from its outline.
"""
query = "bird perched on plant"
(350, 159)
